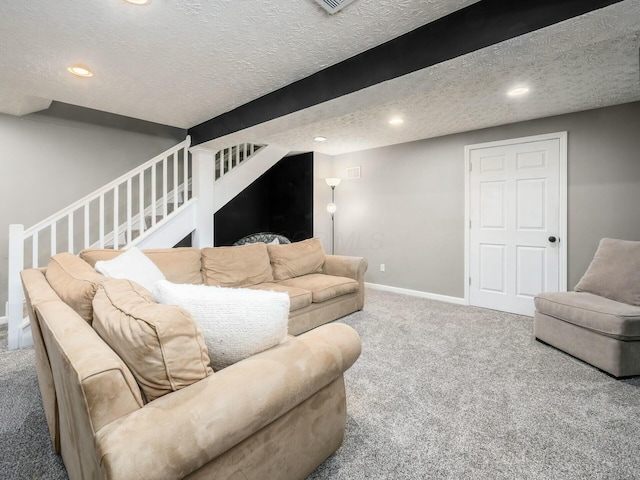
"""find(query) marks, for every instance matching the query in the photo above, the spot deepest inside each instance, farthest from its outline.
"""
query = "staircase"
(153, 206)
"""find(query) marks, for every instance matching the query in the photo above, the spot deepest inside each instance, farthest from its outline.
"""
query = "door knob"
(552, 239)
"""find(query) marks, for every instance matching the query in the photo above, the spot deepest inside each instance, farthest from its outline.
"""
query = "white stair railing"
(115, 216)
(231, 157)
(122, 213)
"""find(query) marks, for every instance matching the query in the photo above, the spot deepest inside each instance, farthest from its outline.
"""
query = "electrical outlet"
(382, 267)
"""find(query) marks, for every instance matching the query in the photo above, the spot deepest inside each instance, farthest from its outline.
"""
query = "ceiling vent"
(333, 6)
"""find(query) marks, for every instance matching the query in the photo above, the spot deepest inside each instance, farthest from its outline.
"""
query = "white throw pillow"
(132, 265)
(236, 322)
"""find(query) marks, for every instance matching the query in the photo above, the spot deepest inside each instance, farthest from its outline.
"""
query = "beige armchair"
(599, 322)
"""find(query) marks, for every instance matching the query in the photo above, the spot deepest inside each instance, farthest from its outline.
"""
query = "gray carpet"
(25, 448)
(441, 391)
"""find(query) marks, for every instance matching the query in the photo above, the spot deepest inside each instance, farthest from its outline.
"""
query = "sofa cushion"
(236, 322)
(594, 312)
(298, 297)
(296, 259)
(179, 265)
(132, 265)
(161, 344)
(323, 287)
(614, 272)
(239, 266)
(75, 282)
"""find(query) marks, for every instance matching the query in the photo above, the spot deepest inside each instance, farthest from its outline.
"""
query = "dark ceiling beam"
(477, 26)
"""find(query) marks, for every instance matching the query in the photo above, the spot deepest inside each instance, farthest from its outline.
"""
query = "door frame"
(562, 183)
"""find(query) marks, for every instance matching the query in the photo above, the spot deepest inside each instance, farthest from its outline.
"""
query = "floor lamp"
(331, 208)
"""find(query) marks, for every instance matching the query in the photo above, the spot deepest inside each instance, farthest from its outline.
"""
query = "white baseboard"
(3, 320)
(418, 293)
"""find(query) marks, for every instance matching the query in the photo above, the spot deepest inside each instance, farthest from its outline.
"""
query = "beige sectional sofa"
(322, 288)
(277, 414)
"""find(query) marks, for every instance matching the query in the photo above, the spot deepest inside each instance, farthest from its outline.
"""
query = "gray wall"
(407, 210)
(51, 159)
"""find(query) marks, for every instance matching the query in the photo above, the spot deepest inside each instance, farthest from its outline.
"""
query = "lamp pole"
(331, 208)
(333, 225)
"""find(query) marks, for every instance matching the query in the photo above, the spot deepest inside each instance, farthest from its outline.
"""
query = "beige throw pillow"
(614, 272)
(296, 259)
(239, 266)
(179, 265)
(75, 282)
(161, 344)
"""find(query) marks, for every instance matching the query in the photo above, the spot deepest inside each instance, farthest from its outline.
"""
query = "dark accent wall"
(280, 201)
(185, 242)
(477, 26)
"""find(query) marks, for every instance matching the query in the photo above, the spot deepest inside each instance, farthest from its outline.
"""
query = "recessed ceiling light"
(320, 138)
(139, 2)
(518, 91)
(80, 71)
(396, 121)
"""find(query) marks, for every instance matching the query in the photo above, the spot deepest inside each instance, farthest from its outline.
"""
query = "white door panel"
(493, 262)
(493, 209)
(530, 259)
(530, 204)
(492, 163)
(515, 206)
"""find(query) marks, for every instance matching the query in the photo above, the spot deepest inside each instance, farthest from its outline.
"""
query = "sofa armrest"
(350, 267)
(37, 291)
(93, 387)
(182, 431)
(342, 266)
(83, 362)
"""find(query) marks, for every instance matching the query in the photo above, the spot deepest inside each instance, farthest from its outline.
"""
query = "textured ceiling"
(181, 62)
(583, 63)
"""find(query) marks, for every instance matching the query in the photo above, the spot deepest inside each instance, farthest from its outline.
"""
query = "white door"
(517, 211)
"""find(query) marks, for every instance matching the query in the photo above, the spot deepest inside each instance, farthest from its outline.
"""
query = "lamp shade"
(332, 182)
(331, 208)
